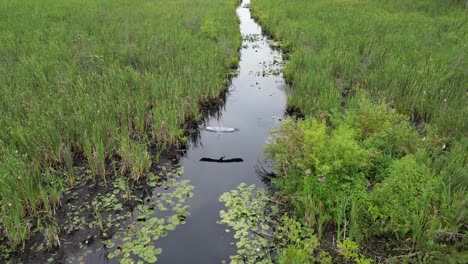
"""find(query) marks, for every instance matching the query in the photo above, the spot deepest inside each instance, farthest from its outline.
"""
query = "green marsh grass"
(98, 80)
(386, 82)
(410, 54)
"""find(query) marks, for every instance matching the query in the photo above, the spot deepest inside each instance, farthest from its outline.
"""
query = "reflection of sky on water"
(254, 105)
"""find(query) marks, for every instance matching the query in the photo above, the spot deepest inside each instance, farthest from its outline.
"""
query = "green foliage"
(368, 179)
(208, 28)
(136, 240)
(135, 158)
(246, 217)
(381, 127)
(372, 71)
(348, 249)
(129, 234)
(264, 235)
(406, 199)
(297, 242)
(99, 79)
(292, 255)
(411, 54)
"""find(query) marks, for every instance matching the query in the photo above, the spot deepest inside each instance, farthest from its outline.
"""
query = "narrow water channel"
(255, 104)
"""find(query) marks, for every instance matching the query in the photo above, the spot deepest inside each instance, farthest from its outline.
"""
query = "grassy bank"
(367, 176)
(99, 81)
(381, 157)
(411, 54)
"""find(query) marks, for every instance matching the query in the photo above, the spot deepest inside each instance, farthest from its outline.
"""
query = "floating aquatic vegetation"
(264, 233)
(246, 216)
(161, 213)
(251, 37)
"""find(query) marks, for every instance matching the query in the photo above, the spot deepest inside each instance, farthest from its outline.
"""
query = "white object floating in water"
(220, 129)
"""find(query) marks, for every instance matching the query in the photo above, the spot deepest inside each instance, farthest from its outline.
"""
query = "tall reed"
(81, 78)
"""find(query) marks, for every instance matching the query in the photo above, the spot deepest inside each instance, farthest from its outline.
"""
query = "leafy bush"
(293, 255)
(406, 200)
(381, 127)
(367, 172)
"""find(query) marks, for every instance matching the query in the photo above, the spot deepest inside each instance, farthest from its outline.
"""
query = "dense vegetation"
(371, 177)
(410, 54)
(381, 155)
(99, 81)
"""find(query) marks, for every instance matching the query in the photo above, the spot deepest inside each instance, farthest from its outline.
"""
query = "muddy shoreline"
(76, 235)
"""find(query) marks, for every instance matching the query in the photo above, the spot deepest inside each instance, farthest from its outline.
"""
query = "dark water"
(255, 103)
(253, 106)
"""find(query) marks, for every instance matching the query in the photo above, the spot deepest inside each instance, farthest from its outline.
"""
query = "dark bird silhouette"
(222, 160)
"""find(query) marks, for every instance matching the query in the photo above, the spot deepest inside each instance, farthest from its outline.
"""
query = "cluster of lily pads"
(245, 215)
(265, 233)
(124, 235)
(153, 219)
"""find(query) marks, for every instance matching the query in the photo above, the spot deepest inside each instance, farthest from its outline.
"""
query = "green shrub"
(381, 127)
(293, 255)
(368, 172)
(405, 201)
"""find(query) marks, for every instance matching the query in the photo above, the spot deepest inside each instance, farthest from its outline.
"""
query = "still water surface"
(255, 103)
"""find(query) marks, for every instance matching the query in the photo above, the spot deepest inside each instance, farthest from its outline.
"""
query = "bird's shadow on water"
(222, 160)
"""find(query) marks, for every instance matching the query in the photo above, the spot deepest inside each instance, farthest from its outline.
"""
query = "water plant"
(155, 218)
(245, 216)
(265, 233)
